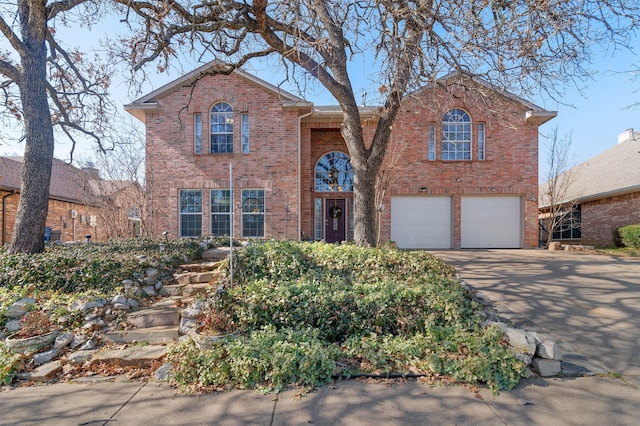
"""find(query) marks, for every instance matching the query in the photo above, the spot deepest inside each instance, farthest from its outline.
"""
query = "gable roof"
(148, 102)
(68, 183)
(615, 171)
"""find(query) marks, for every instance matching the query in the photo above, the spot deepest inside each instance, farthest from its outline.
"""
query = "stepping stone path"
(149, 328)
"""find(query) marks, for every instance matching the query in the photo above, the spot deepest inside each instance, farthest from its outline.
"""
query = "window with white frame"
(244, 128)
(432, 141)
(221, 128)
(197, 133)
(190, 212)
(221, 203)
(456, 135)
(481, 141)
(252, 213)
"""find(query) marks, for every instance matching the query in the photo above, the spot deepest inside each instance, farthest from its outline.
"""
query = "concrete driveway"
(590, 302)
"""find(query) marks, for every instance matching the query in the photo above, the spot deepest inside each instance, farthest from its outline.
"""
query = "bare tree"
(559, 193)
(44, 84)
(115, 179)
(518, 45)
(385, 176)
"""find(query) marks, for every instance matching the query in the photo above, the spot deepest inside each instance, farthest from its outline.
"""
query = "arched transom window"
(334, 173)
(456, 135)
(221, 128)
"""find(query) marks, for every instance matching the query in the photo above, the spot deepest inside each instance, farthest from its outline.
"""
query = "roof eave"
(539, 117)
(140, 110)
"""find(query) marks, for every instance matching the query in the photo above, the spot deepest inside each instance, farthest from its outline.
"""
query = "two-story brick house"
(466, 175)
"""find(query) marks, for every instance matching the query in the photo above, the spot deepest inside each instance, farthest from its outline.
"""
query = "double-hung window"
(253, 213)
(221, 212)
(190, 213)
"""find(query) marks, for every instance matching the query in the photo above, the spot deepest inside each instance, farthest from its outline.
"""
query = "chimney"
(91, 170)
(628, 135)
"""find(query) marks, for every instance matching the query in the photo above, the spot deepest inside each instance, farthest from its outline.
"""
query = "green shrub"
(630, 235)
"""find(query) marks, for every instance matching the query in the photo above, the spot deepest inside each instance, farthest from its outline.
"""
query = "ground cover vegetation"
(308, 313)
(302, 314)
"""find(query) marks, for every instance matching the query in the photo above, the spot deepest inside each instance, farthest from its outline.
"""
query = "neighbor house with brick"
(461, 171)
(603, 194)
(80, 203)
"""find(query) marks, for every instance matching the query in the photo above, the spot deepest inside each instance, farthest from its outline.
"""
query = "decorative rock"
(80, 356)
(191, 312)
(150, 290)
(19, 308)
(133, 303)
(63, 340)
(152, 272)
(44, 373)
(78, 340)
(12, 325)
(101, 301)
(95, 324)
(521, 340)
(121, 306)
(549, 350)
(186, 325)
(119, 299)
(547, 367)
(88, 345)
(158, 285)
(162, 373)
(91, 317)
(80, 305)
(524, 358)
(44, 357)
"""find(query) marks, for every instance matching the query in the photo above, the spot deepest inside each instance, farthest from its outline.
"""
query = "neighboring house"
(604, 194)
(467, 174)
(76, 201)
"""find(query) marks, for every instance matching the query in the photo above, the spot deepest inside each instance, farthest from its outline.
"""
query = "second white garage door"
(421, 222)
(490, 222)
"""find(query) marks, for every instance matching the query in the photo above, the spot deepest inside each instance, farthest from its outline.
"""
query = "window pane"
(480, 141)
(245, 133)
(220, 212)
(190, 201)
(252, 213)
(198, 133)
(334, 173)
(318, 219)
(456, 135)
(221, 128)
(432, 142)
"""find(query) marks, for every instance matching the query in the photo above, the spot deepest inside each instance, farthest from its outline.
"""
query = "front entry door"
(335, 221)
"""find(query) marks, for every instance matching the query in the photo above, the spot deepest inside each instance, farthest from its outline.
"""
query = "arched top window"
(456, 135)
(334, 173)
(221, 128)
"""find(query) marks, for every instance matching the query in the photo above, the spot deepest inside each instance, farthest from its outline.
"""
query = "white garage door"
(421, 222)
(490, 222)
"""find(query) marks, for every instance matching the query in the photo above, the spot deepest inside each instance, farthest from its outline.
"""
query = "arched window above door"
(334, 173)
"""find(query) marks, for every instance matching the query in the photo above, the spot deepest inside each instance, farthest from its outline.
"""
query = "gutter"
(300, 117)
(4, 215)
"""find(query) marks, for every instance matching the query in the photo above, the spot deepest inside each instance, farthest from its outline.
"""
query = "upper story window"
(334, 172)
(197, 132)
(221, 128)
(456, 135)
(432, 141)
(481, 142)
(245, 132)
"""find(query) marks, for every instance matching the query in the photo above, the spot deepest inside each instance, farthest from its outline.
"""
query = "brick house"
(464, 173)
(604, 194)
(76, 201)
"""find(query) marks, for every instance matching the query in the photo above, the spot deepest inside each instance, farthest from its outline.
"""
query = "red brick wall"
(58, 219)
(271, 163)
(601, 218)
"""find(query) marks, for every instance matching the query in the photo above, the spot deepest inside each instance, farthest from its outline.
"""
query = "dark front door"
(335, 216)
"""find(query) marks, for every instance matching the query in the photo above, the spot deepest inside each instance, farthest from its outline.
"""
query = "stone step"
(190, 290)
(153, 335)
(44, 373)
(137, 356)
(200, 267)
(215, 254)
(155, 316)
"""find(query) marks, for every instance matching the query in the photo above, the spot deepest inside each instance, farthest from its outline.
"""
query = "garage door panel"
(421, 222)
(491, 222)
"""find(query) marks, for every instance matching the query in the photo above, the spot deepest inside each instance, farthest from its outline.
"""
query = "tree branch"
(11, 36)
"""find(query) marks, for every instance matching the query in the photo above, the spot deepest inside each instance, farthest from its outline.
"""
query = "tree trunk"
(28, 232)
(364, 188)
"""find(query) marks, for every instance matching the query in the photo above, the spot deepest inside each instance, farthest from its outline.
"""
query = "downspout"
(300, 171)
(4, 215)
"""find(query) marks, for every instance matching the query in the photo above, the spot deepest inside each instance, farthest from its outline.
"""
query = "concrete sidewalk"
(576, 401)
